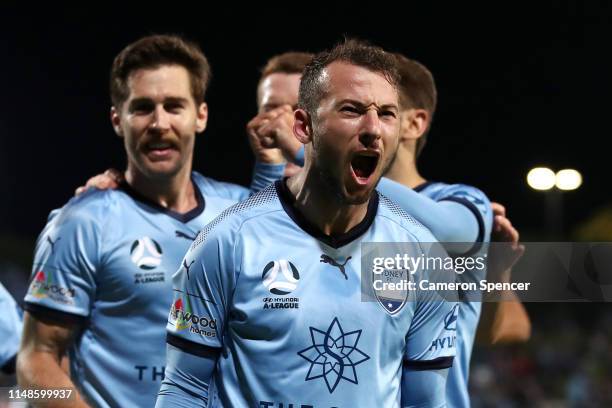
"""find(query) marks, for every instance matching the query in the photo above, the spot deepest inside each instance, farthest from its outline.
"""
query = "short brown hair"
(417, 91)
(352, 51)
(291, 62)
(154, 51)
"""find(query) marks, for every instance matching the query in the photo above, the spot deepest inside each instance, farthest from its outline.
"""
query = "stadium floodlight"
(568, 179)
(541, 178)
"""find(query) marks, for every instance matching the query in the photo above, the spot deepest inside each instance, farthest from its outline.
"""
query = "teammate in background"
(10, 331)
(455, 213)
(277, 96)
(103, 264)
(330, 348)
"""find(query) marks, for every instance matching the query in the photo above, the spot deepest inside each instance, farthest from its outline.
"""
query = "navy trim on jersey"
(423, 186)
(190, 347)
(335, 241)
(9, 367)
(44, 312)
(184, 218)
(435, 364)
(481, 225)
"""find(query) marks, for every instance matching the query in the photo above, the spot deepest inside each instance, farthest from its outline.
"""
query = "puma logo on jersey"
(52, 243)
(187, 266)
(328, 259)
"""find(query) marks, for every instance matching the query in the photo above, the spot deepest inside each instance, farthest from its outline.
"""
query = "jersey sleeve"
(265, 174)
(479, 205)
(430, 342)
(462, 214)
(299, 156)
(203, 288)
(424, 388)
(231, 191)
(187, 380)
(10, 331)
(67, 256)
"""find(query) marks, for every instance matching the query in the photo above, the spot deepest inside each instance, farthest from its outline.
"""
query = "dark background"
(519, 85)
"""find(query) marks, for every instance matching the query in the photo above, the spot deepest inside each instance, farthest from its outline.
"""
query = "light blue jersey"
(478, 226)
(10, 331)
(277, 306)
(105, 262)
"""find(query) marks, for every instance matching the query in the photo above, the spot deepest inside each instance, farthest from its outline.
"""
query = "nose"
(371, 129)
(161, 119)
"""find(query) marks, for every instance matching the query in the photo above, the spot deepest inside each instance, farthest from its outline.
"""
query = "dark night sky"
(517, 86)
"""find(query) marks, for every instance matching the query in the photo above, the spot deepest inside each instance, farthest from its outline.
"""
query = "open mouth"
(363, 164)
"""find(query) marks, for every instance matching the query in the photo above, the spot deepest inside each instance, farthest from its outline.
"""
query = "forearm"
(504, 321)
(265, 174)
(42, 369)
(426, 388)
(449, 221)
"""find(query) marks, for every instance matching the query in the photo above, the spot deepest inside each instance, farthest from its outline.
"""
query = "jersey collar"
(182, 217)
(336, 240)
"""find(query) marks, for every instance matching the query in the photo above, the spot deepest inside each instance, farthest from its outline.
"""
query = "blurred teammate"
(10, 331)
(277, 98)
(103, 263)
(325, 347)
(455, 213)
(277, 95)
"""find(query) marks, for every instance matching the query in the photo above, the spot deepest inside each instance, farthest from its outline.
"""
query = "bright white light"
(568, 179)
(541, 178)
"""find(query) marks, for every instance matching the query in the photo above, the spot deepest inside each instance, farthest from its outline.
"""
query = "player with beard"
(329, 348)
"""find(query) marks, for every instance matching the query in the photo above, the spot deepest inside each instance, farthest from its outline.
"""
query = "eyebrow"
(362, 105)
(145, 100)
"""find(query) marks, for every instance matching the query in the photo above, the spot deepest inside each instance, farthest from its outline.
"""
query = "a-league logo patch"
(146, 253)
(280, 277)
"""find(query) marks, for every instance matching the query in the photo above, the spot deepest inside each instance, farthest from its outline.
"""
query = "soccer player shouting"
(269, 312)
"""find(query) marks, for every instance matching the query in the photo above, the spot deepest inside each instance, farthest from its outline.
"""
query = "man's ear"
(202, 117)
(302, 126)
(116, 121)
(414, 123)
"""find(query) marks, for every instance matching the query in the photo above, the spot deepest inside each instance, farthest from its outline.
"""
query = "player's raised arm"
(454, 218)
(39, 365)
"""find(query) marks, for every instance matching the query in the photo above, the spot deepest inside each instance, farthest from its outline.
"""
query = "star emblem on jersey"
(146, 253)
(333, 355)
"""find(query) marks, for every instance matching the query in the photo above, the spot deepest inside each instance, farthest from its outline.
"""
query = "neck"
(316, 201)
(404, 169)
(175, 193)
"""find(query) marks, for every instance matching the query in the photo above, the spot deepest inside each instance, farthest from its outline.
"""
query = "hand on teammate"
(110, 179)
(505, 249)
